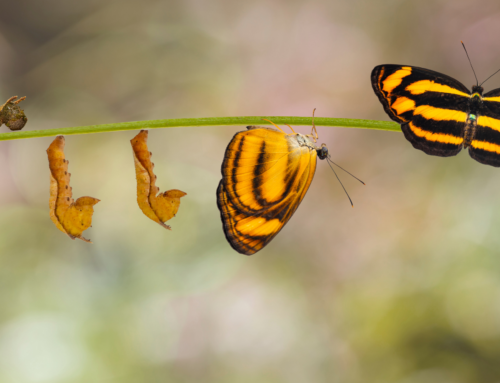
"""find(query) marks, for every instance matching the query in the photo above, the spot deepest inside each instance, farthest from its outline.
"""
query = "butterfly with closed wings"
(265, 175)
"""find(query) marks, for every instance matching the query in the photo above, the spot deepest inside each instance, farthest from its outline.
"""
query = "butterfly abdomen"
(470, 129)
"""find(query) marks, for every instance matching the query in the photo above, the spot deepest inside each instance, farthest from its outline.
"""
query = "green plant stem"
(210, 121)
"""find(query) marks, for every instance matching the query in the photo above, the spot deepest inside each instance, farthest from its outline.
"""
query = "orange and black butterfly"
(438, 114)
(265, 175)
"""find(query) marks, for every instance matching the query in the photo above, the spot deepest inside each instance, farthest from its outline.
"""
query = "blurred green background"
(403, 288)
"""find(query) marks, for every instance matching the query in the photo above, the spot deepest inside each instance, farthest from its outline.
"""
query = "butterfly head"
(477, 91)
(322, 152)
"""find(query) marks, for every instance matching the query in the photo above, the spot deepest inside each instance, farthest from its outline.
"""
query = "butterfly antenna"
(477, 82)
(490, 77)
(347, 194)
(352, 175)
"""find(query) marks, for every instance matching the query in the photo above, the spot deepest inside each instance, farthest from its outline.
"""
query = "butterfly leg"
(276, 126)
(314, 132)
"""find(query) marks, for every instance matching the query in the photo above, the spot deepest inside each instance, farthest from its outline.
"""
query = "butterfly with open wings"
(438, 114)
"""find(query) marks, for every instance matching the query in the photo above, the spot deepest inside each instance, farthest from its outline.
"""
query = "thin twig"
(210, 121)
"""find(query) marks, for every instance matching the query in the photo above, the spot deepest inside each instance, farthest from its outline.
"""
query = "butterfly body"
(265, 175)
(475, 110)
(438, 114)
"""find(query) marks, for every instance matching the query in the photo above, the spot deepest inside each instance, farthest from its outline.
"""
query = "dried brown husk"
(69, 216)
(158, 207)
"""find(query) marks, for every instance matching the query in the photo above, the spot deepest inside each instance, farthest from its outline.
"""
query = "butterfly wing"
(485, 147)
(265, 176)
(430, 106)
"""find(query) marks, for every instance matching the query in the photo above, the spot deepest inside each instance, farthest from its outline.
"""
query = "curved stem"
(210, 121)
